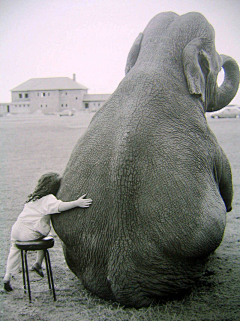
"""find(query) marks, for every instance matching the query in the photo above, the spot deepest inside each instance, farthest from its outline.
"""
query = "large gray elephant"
(160, 183)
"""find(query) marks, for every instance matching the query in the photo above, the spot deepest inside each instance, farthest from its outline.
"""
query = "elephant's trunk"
(226, 92)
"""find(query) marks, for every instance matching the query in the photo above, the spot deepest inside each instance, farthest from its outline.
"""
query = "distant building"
(4, 108)
(94, 101)
(52, 95)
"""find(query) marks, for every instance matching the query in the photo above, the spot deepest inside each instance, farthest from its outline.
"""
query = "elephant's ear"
(133, 53)
(198, 69)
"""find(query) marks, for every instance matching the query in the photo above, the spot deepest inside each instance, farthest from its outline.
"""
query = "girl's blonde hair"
(47, 184)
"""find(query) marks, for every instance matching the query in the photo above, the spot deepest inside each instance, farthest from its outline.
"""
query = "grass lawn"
(33, 145)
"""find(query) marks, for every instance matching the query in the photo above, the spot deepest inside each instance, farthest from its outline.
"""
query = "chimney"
(74, 77)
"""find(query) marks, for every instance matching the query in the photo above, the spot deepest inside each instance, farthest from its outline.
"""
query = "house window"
(86, 105)
(38, 94)
(41, 106)
(65, 93)
(19, 105)
(48, 94)
(44, 94)
(26, 95)
(62, 105)
(46, 106)
(76, 98)
(23, 105)
(66, 105)
(20, 95)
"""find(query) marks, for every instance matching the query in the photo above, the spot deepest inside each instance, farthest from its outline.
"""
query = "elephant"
(161, 184)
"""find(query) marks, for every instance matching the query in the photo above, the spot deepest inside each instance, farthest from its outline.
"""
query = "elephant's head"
(160, 183)
(189, 38)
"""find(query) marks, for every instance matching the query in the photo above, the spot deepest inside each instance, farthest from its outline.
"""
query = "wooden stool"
(43, 244)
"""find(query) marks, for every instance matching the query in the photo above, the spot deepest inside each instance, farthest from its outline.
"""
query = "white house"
(52, 95)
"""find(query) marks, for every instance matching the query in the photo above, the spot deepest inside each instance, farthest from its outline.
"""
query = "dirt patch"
(31, 146)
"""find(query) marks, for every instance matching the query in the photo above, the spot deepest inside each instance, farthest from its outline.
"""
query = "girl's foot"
(37, 268)
(7, 286)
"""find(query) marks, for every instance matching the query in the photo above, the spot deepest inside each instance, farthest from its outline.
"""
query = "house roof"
(96, 97)
(54, 83)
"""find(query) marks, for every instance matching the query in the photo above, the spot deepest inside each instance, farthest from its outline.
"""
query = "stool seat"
(41, 244)
(36, 245)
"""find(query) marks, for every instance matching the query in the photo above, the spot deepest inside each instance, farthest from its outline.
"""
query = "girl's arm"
(80, 202)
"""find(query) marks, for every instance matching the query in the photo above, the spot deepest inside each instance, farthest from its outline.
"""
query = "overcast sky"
(92, 38)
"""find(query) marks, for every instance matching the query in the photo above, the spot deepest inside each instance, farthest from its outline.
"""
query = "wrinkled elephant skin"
(160, 183)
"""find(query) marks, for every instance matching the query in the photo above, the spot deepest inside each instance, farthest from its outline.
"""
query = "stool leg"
(47, 268)
(23, 273)
(28, 281)
(51, 275)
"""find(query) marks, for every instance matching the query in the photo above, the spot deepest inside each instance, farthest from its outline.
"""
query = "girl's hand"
(83, 202)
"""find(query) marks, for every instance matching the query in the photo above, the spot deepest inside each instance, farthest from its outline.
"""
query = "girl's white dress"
(32, 223)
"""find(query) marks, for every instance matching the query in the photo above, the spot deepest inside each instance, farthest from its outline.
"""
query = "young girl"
(33, 223)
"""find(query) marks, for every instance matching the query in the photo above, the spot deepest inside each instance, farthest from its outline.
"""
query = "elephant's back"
(139, 168)
(154, 203)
